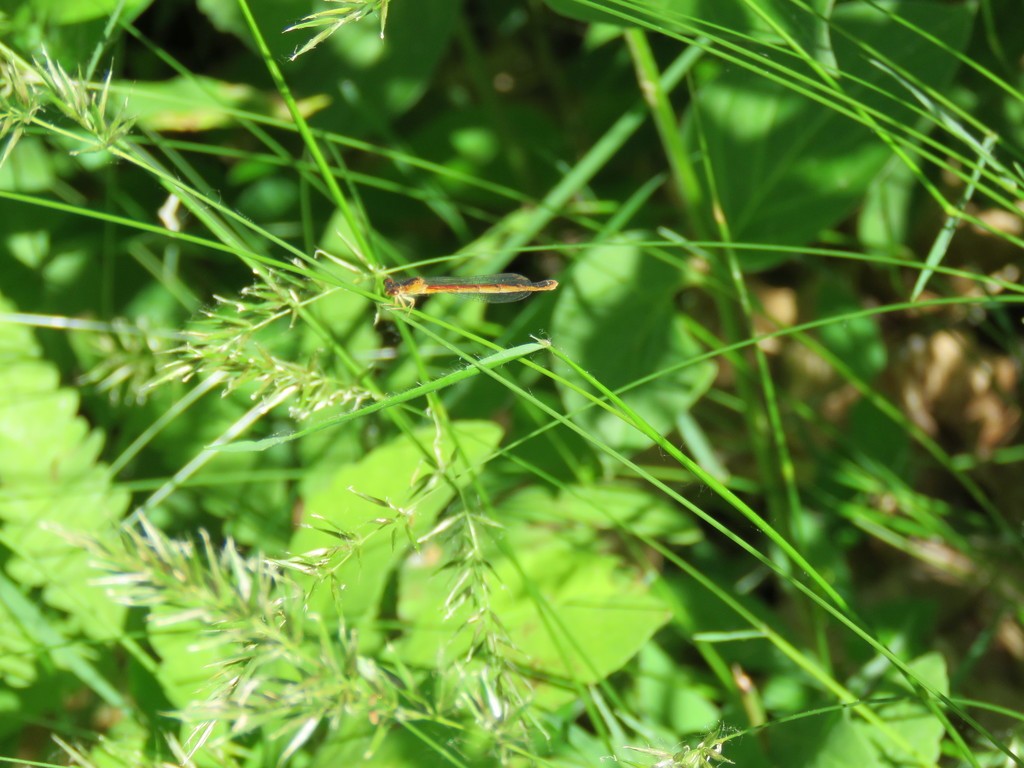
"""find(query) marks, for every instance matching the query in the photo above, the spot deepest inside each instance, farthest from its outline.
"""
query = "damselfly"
(493, 288)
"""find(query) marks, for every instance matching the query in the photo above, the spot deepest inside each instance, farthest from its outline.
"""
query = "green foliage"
(571, 615)
(739, 491)
(54, 494)
(383, 504)
(817, 153)
(838, 739)
(623, 301)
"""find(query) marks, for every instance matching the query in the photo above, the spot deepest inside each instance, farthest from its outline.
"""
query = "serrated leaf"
(54, 489)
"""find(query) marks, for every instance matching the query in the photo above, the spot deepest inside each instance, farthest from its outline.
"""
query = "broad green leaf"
(829, 741)
(362, 744)
(274, 16)
(189, 654)
(77, 11)
(390, 74)
(786, 167)
(402, 473)
(841, 740)
(386, 77)
(802, 24)
(616, 317)
(605, 507)
(570, 612)
(884, 218)
(910, 717)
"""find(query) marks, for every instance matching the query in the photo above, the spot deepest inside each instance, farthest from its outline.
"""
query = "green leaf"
(875, 435)
(30, 632)
(568, 611)
(391, 74)
(54, 489)
(786, 167)
(74, 12)
(830, 741)
(273, 15)
(18, 652)
(396, 473)
(385, 76)
(885, 215)
(605, 507)
(910, 717)
(775, 20)
(840, 740)
(622, 300)
(191, 656)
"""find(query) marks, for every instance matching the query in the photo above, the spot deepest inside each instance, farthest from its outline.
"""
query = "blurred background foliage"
(742, 488)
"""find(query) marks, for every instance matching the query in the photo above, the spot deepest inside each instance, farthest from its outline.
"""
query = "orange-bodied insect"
(493, 288)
